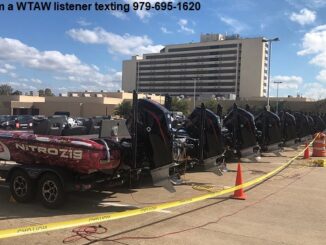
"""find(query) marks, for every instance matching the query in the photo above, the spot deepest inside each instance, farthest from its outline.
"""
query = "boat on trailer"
(51, 165)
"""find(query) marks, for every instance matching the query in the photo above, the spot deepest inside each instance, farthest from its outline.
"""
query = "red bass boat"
(84, 156)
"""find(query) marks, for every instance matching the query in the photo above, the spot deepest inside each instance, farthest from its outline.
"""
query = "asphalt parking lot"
(286, 209)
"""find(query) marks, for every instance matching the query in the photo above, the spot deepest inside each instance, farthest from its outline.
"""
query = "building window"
(164, 56)
(202, 48)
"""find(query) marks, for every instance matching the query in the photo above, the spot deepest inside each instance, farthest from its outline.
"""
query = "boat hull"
(77, 154)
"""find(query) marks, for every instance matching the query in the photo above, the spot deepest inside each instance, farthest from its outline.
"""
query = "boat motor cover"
(288, 126)
(213, 140)
(154, 138)
(302, 125)
(270, 125)
(240, 123)
(311, 124)
(319, 124)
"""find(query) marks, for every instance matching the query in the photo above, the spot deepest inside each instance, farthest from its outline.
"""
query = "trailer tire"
(51, 191)
(22, 187)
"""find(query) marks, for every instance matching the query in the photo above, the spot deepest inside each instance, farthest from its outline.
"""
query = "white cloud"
(314, 4)
(30, 80)
(143, 14)
(236, 25)
(36, 80)
(83, 22)
(67, 66)
(313, 43)
(125, 45)
(21, 86)
(321, 76)
(304, 17)
(165, 30)
(183, 24)
(6, 68)
(288, 82)
(9, 67)
(119, 15)
(314, 90)
(293, 85)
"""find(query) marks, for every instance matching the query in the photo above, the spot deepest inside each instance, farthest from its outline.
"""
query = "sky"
(84, 50)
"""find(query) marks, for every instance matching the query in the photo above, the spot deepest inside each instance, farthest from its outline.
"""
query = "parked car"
(3, 118)
(24, 122)
(8, 122)
(17, 122)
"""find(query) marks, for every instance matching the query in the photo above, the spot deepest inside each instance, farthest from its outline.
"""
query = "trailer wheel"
(22, 187)
(51, 191)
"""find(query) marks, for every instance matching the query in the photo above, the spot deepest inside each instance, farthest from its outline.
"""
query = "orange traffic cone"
(306, 152)
(239, 194)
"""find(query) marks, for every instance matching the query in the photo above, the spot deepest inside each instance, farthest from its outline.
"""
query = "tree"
(41, 92)
(5, 89)
(48, 92)
(123, 109)
(211, 104)
(179, 105)
(17, 92)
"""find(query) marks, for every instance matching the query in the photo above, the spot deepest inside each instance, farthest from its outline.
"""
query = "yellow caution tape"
(128, 213)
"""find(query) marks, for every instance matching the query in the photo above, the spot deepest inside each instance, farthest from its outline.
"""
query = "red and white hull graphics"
(80, 155)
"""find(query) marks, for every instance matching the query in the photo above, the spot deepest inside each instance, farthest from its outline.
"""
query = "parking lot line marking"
(164, 211)
(106, 204)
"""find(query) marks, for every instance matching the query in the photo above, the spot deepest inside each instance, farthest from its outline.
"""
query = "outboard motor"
(151, 141)
(302, 126)
(311, 124)
(289, 133)
(269, 124)
(324, 117)
(319, 124)
(205, 125)
(241, 135)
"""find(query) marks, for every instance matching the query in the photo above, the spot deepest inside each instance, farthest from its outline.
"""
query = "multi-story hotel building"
(218, 65)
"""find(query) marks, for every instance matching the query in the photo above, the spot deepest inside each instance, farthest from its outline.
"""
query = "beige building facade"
(217, 66)
(78, 104)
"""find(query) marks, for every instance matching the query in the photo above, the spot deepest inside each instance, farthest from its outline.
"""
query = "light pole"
(195, 81)
(277, 84)
(269, 41)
